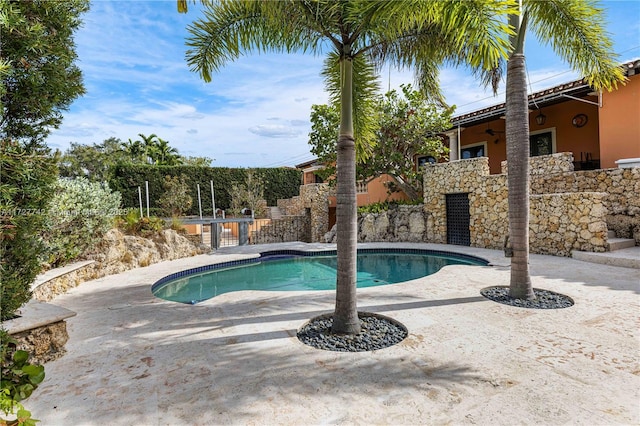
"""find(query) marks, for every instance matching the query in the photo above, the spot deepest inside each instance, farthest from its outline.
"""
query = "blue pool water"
(288, 272)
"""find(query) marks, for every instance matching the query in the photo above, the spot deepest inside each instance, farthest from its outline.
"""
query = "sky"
(256, 111)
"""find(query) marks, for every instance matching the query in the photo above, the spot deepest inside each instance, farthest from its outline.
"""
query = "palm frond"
(229, 29)
(365, 94)
(575, 29)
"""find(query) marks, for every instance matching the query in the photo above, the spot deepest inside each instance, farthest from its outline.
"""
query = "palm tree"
(360, 36)
(134, 150)
(575, 29)
(149, 147)
(166, 155)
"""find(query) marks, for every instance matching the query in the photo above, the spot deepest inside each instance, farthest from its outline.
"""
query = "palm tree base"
(544, 299)
(376, 332)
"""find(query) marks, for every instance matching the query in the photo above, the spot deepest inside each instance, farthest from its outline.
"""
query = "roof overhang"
(554, 95)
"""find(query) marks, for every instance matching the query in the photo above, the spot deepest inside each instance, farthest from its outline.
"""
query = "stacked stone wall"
(45, 343)
(559, 222)
(462, 176)
(545, 165)
(291, 206)
(313, 202)
(622, 194)
(401, 223)
(286, 229)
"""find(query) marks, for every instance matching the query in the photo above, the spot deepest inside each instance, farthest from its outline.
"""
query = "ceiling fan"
(492, 132)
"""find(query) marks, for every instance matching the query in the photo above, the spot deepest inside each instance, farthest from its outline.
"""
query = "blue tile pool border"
(288, 254)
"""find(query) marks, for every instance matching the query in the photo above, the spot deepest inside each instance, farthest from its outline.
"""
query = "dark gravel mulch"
(545, 299)
(377, 332)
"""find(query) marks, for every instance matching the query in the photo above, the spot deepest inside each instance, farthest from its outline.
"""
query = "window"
(423, 160)
(542, 142)
(473, 151)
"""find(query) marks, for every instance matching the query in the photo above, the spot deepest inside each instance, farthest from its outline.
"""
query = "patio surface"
(134, 359)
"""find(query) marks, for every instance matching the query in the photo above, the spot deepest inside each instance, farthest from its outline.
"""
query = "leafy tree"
(408, 126)
(96, 161)
(575, 29)
(249, 194)
(176, 199)
(37, 66)
(92, 161)
(197, 161)
(357, 37)
(27, 179)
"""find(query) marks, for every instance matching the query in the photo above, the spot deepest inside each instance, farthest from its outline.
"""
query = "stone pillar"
(453, 144)
(316, 198)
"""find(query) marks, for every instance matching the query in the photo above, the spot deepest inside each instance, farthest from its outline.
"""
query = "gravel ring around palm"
(544, 299)
(376, 332)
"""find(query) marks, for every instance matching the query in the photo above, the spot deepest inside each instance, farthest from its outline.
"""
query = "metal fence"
(243, 231)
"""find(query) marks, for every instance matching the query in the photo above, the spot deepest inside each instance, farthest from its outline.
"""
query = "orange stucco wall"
(620, 123)
(308, 177)
(376, 192)
(559, 117)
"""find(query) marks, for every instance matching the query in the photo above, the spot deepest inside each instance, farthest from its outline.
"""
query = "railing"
(223, 232)
(244, 231)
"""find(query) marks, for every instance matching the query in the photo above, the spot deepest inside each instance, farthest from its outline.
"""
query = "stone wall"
(313, 202)
(559, 222)
(542, 165)
(44, 343)
(401, 223)
(622, 194)
(316, 198)
(291, 206)
(40, 329)
(288, 228)
(117, 253)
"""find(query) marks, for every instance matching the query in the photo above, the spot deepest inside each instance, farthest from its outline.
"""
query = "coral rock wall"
(568, 210)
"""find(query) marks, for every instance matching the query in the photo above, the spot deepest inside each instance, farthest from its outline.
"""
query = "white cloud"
(256, 110)
(274, 131)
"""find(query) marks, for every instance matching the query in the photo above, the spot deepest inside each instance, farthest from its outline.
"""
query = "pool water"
(305, 273)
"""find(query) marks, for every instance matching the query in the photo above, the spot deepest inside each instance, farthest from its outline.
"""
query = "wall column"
(454, 144)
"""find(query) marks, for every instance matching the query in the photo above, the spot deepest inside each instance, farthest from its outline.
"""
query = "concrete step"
(627, 258)
(620, 243)
(611, 234)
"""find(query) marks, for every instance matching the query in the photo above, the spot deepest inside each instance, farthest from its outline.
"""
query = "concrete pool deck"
(234, 359)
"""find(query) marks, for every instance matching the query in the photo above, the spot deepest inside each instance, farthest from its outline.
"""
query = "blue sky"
(255, 112)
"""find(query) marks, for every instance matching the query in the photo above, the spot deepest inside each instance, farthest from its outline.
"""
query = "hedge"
(279, 183)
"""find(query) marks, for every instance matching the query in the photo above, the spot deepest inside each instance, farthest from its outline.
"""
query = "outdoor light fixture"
(540, 118)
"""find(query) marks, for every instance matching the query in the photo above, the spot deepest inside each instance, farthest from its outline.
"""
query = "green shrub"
(386, 205)
(80, 213)
(26, 186)
(177, 225)
(133, 224)
(176, 199)
(19, 379)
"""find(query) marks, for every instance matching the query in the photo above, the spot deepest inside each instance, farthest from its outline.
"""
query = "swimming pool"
(290, 270)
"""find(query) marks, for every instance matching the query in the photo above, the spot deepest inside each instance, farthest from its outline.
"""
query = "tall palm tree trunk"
(345, 318)
(517, 133)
